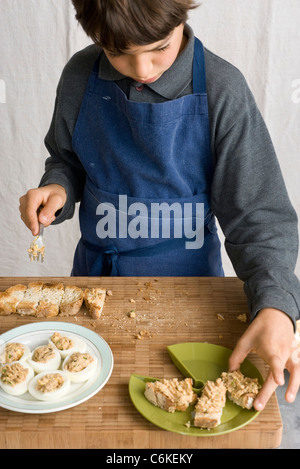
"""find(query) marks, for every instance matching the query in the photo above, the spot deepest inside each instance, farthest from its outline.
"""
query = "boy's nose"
(142, 68)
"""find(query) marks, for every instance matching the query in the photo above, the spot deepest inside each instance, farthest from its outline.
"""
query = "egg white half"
(52, 395)
(51, 364)
(83, 375)
(78, 345)
(19, 388)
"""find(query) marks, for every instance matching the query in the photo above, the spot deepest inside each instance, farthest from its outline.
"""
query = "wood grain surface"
(167, 311)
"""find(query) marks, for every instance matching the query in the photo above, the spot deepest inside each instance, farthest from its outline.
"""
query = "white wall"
(37, 37)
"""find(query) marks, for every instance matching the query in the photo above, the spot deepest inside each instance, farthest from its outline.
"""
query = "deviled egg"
(67, 344)
(49, 385)
(15, 377)
(80, 366)
(44, 357)
(14, 352)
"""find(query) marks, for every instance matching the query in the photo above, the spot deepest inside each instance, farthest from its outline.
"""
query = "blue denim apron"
(149, 154)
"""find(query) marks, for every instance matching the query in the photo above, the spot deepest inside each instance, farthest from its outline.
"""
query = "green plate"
(201, 362)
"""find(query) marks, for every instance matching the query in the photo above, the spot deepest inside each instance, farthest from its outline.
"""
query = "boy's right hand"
(49, 199)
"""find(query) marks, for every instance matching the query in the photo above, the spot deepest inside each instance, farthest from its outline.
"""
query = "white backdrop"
(37, 37)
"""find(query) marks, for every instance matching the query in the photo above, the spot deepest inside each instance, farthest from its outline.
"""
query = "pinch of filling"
(13, 374)
(43, 354)
(50, 382)
(62, 342)
(13, 353)
(78, 362)
(34, 250)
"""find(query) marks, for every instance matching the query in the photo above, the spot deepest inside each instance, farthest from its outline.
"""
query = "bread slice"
(28, 305)
(71, 301)
(10, 299)
(171, 395)
(240, 389)
(209, 407)
(50, 300)
(94, 299)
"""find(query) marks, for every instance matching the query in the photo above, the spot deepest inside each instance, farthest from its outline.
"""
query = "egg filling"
(14, 374)
(50, 382)
(13, 352)
(78, 362)
(43, 354)
(62, 342)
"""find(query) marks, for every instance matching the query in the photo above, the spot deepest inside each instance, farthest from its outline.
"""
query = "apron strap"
(199, 76)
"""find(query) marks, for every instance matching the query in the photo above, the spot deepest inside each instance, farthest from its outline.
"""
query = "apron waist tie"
(106, 263)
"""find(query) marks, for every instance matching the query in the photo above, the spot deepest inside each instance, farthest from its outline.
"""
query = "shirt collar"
(172, 82)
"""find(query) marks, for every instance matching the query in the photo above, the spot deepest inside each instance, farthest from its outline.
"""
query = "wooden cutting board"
(167, 311)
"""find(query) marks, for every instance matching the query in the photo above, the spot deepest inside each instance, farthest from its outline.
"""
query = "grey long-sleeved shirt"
(249, 197)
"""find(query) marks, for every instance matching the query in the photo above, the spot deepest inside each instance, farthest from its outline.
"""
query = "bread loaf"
(41, 299)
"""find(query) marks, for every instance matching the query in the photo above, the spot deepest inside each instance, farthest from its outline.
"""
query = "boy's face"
(146, 64)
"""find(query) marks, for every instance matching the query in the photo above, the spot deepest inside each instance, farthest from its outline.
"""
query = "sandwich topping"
(213, 397)
(238, 385)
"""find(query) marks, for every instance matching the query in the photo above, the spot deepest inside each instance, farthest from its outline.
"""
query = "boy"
(148, 117)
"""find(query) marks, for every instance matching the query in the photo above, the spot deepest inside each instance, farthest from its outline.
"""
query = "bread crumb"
(132, 314)
(142, 334)
(220, 317)
(188, 424)
(109, 292)
(132, 300)
(242, 317)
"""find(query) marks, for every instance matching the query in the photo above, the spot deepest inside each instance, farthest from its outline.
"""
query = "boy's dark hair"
(118, 24)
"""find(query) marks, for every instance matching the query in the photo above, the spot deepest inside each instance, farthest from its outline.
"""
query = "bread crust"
(51, 296)
(10, 299)
(94, 299)
(71, 301)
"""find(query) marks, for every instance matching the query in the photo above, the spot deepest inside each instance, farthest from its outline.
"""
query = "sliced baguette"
(209, 407)
(171, 395)
(71, 301)
(240, 389)
(50, 300)
(94, 299)
(10, 299)
(28, 305)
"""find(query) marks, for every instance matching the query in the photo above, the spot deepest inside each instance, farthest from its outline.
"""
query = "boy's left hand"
(271, 336)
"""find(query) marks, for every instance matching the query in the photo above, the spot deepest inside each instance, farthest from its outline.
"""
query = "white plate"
(36, 334)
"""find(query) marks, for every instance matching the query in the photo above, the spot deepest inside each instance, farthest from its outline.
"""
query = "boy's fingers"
(47, 213)
(265, 393)
(29, 204)
(293, 386)
(238, 355)
(277, 366)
